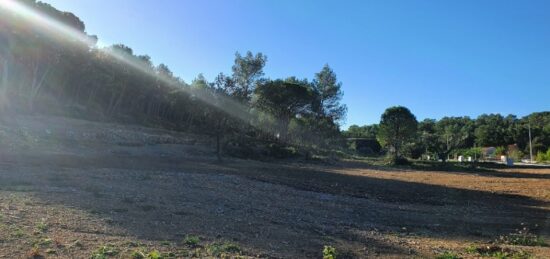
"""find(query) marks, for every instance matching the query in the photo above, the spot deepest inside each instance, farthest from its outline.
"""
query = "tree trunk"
(37, 83)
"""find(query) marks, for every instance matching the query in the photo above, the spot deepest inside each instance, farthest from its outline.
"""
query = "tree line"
(43, 71)
(403, 136)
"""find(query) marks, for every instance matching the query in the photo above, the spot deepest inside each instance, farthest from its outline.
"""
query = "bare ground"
(69, 187)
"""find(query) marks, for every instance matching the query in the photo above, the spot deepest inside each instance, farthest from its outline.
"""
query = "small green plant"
(329, 252)
(191, 240)
(45, 242)
(104, 252)
(495, 251)
(18, 233)
(42, 226)
(154, 255)
(472, 249)
(137, 255)
(448, 255)
(217, 249)
(522, 237)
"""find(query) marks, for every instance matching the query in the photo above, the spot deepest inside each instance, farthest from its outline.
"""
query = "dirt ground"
(72, 189)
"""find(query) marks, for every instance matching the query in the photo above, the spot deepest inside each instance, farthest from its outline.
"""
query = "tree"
(452, 133)
(328, 95)
(284, 99)
(397, 128)
(247, 71)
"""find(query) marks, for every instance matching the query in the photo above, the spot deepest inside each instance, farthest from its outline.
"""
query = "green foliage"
(448, 255)
(328, 95)
(104, 252)
(42, 226)
(155, 254)
(329, 252)
(495, 251)
(137, 255)
(217, 249)
(543, 157)
(397, 127)
(284, 99)
(523, 237)
(500, 151)
(191, 240)
(367, 131)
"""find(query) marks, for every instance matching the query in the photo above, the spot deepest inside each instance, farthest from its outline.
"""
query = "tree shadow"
(280, 209)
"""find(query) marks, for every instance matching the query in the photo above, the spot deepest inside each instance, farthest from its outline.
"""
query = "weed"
(77, 244)
(501, 253)
(42, 226)
(137, 255)
(18, 233)
(448, 255)
(104, 252)
(472, 249)
(191, 240)
(154, 255)
(165, 243)
(522, 237)
(329, 252)
(35, 253)
(217, 249)
(45, 242)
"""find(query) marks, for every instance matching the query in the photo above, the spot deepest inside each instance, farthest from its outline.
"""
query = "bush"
(329, 252)
(516, 155)
(500, 151)
(543, 157)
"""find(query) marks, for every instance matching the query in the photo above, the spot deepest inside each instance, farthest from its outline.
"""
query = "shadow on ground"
(280, 210)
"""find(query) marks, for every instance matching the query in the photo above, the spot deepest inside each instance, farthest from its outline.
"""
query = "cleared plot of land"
(69, 187)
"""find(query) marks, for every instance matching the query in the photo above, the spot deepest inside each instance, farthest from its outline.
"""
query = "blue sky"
(438, 58)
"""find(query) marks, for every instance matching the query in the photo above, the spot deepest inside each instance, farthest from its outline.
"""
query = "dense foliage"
(465, 136)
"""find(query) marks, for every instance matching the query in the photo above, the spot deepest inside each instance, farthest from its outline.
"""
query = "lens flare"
(49, 25)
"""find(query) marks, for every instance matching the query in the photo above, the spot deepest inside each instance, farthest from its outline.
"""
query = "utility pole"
(530, 144)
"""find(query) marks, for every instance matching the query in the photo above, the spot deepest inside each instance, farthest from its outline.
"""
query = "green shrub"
(500, 151)
(448, 255)
(154, 255)
(104, 252)
(329, 252)
(543, 157)
(217, 249)
(522, 237)
(191, 240)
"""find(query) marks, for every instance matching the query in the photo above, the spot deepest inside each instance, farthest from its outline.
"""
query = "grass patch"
(137, 255)
(217, 249)
(42, 226)
(448, 255)
(191, 240)
(522, 237)
(18, 233)
(495, 251)
(104, 252)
